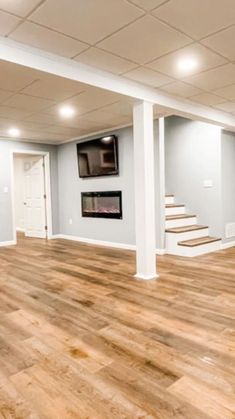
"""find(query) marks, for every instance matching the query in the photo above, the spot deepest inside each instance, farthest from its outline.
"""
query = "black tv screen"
(98, 157)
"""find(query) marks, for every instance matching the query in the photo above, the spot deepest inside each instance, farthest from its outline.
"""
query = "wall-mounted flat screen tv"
(98, 157)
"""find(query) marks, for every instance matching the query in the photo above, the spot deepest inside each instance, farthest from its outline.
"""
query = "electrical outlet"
(70, 221)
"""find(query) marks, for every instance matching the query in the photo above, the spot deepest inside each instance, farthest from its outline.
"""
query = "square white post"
(161, 182)
(144, 191)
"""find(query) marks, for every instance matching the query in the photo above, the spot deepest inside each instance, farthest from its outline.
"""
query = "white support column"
(144, 191)
(161, 177)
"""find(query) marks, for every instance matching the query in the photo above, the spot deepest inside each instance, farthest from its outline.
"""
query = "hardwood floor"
(81, 338)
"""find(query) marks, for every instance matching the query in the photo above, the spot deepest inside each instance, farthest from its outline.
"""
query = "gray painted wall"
(228, 180)
(6, 146)
(193, 154)
(71, 186)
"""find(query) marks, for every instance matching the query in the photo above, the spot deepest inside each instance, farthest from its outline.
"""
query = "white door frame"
(46, 156)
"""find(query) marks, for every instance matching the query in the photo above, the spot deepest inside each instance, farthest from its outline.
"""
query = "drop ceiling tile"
(122, 108)
(48, 40)
(147, 76)
(29, 103)
(227, 106)
(41, 118)
(7, 23)
(13, 113)
(105, 61)
(91, 99)
(148, 4)
(4, 94)
(89, 21)
(14, 77)
(214, 78)
(222, 42)
(208, 99)
(205, 58)
(227, 92)
(19, 7)
(181, 89)
(54, 88)
(142, 41)
(197, 18)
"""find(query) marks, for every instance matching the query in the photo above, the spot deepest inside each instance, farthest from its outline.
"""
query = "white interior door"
(34, 198)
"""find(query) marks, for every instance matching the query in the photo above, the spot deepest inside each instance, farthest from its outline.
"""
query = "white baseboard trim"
(160, 252)
(8, 243)
(20, 230)
(101, 243)
(94, 242)
(227, 245)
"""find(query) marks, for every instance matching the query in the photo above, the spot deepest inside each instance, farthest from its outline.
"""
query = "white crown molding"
(25, 55)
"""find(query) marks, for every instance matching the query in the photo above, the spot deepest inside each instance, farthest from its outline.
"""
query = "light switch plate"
(208, 183)
(5, 189)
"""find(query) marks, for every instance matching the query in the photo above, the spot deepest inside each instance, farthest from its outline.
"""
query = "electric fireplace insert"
(102, 204)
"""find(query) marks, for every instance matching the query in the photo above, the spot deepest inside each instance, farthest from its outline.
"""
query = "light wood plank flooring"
(81, 338)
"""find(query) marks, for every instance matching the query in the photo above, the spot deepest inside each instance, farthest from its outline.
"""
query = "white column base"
(146, 277)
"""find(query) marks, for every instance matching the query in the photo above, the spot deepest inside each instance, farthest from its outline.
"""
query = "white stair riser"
(169, 200)
(182, 222)
(172, 239)
(175, 210)
(198, 250)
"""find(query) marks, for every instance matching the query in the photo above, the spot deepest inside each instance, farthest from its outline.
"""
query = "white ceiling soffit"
(34, 58)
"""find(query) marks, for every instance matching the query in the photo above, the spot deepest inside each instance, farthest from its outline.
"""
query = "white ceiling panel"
(19, 7)
(13, 113)
(215, 78)
(181, 89)
(208, 99)
(14, 77)
(29, 103)
(222, 42)
(89, 20)
(54, 88)
(105, 61)
(144, 40)
(148, 76)
(4, 94)
(197, 18)
(228, 92)
(204, 58)
(227, 107)
(7, 23)
(48, 40)
(148, 4)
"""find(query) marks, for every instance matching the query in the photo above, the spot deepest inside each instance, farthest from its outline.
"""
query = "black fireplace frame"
(102, 214)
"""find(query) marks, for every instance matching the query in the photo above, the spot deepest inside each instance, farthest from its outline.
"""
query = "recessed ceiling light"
(14, 132)
(67, 111)
(107, 139)
(187, 64)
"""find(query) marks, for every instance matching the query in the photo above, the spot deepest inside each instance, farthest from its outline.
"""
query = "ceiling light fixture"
(107, 139)
(67, 111)
(14, 132)
(187, 64)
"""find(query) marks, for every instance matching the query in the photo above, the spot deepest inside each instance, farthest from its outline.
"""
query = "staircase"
(184, 237)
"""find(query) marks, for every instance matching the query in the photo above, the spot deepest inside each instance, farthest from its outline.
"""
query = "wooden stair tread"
(198, 242)
(185, 229)
(179, 216)
(174, 205)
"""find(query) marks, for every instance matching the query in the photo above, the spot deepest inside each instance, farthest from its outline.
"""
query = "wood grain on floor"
(81, 338)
